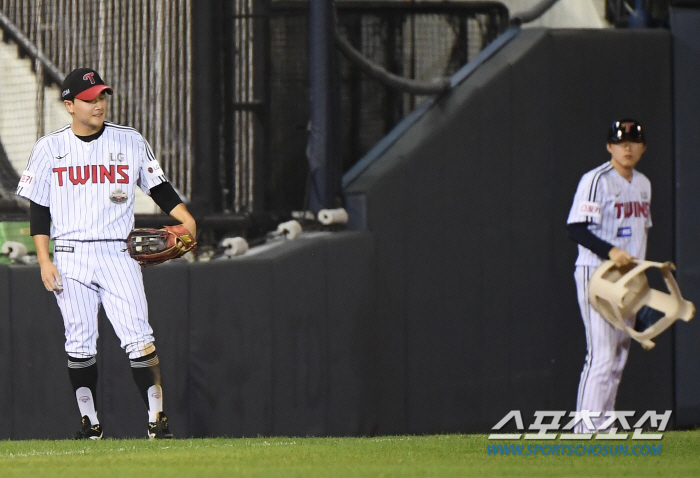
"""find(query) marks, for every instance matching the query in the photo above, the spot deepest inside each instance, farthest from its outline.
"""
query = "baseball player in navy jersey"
(81, 182)
(609, 219)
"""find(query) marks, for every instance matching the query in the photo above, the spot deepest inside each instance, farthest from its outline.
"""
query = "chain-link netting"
(140, 47)
(143, 49)
(421, 41)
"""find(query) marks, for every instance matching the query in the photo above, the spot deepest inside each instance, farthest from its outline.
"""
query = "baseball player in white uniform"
(609, 219)
(81, 182)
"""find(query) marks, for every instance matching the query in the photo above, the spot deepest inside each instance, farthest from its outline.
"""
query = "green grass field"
(404, 456)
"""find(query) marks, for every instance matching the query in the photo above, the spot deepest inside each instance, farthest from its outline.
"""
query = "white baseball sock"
(86, 404)
(155, 402)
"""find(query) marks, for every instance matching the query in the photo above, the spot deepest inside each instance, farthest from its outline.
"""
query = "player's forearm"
(580, 234)
(41, 242)
(181, 213)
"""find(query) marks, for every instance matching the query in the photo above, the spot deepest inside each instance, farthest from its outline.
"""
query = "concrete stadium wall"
(468, 209)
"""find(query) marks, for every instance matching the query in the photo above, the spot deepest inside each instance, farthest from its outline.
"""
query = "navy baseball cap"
(626, 130)
(84, 84)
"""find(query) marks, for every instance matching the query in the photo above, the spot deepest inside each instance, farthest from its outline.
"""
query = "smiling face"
(88, 116)
(625, 155)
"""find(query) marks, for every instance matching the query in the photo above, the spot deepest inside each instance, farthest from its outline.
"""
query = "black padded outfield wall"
(280, 342)
(283, 343)
(6, 411)
(685, 27)
(468, 209)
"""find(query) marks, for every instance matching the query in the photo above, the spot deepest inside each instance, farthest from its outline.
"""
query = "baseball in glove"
(151, 247)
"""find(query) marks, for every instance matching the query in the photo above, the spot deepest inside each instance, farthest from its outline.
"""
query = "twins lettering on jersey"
(93, 173)
(634, 208)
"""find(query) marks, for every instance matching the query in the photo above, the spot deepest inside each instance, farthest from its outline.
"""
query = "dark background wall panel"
(392, 267)
(685, 26)
(686, 340)
(424, 207)
(231, 382)
(463, 197)
(425, 300)
(496, 252)
(496, 238)
(286, 343)
(299, 339)
(533, 233)
(41, 391)
(526, 292)
(487, 240)
(353, 348)
(6, 390)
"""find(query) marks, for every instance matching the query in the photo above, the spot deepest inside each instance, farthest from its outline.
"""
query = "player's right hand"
(50, 277)
(620, 257)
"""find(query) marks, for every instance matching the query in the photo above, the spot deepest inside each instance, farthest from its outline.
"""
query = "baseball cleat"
(159, 429)
(88, 431)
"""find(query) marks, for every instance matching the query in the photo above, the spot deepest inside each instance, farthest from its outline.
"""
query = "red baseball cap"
(84, 84)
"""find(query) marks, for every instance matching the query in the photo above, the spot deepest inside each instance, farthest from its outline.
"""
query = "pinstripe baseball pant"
(608, 348)
(100, 272)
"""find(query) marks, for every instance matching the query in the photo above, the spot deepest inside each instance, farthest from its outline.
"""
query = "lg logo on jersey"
(98, 174)
(633, 208)
(120, 157)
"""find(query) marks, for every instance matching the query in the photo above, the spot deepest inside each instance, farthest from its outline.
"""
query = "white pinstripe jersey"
(616, 210)
(90, 187)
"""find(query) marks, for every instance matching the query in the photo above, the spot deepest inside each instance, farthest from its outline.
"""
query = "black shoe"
(159, 429)
(88, 431)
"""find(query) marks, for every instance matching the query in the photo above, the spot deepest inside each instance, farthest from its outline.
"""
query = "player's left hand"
(151, 247)
(191, 227)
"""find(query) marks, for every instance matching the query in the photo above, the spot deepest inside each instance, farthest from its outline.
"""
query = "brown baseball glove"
(151, 247)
